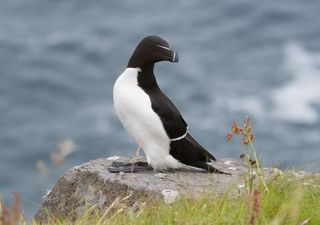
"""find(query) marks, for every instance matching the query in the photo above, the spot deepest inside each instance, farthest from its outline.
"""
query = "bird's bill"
(175, 56)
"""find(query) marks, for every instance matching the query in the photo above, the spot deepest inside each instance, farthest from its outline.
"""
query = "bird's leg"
(128, 167)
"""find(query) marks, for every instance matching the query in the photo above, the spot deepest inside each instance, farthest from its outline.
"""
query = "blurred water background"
(59, 60)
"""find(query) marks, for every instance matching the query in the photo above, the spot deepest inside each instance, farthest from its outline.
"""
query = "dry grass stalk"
(10, 217)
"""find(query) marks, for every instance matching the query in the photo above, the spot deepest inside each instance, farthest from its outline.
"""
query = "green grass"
(290, 200)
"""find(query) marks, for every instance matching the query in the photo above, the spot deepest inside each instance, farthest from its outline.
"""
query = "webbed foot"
(127, 167)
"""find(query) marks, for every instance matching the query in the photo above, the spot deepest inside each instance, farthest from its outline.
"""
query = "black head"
(150, 50)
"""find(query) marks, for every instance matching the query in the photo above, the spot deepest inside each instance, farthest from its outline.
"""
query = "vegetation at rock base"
(292, 199)
(289, 197)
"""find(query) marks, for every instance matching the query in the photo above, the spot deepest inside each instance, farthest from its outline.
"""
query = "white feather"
(133, 107)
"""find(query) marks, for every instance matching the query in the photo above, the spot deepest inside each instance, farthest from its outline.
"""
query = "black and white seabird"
(150, 117)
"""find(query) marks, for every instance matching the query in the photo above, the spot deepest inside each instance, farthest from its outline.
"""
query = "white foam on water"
(248, 104)
(295, 100)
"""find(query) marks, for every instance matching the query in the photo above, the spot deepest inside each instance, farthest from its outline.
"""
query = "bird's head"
(150, 50)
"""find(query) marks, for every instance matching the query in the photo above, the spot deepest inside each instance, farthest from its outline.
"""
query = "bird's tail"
(188, 151)
(207, 155)
(209, 168)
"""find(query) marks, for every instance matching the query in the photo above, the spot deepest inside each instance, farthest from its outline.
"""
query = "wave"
(295, 101)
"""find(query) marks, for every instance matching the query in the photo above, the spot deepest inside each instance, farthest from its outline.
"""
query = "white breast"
(133, 107)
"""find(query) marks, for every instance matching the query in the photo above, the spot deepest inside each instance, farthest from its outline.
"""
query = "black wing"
(188, 151)
(171, 118)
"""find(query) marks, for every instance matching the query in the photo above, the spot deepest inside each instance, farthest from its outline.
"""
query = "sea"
(59, 60)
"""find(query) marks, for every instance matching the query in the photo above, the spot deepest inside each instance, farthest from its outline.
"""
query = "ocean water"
(59, 60)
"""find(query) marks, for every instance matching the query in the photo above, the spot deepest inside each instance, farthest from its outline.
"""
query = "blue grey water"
(59, 60)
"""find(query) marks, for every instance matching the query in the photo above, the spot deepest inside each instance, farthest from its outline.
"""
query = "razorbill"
(150, 117)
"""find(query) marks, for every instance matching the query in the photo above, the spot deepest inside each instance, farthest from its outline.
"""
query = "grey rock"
(92, 184)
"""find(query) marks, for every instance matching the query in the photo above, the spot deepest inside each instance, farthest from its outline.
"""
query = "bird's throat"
(146, 78)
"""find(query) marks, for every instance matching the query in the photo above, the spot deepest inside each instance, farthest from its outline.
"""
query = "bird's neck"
(146, 78)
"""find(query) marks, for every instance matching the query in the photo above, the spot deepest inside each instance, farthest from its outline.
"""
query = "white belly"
(133, 107)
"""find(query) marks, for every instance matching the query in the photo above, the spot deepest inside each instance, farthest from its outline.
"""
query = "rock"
(169, 196)
(92, 184)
